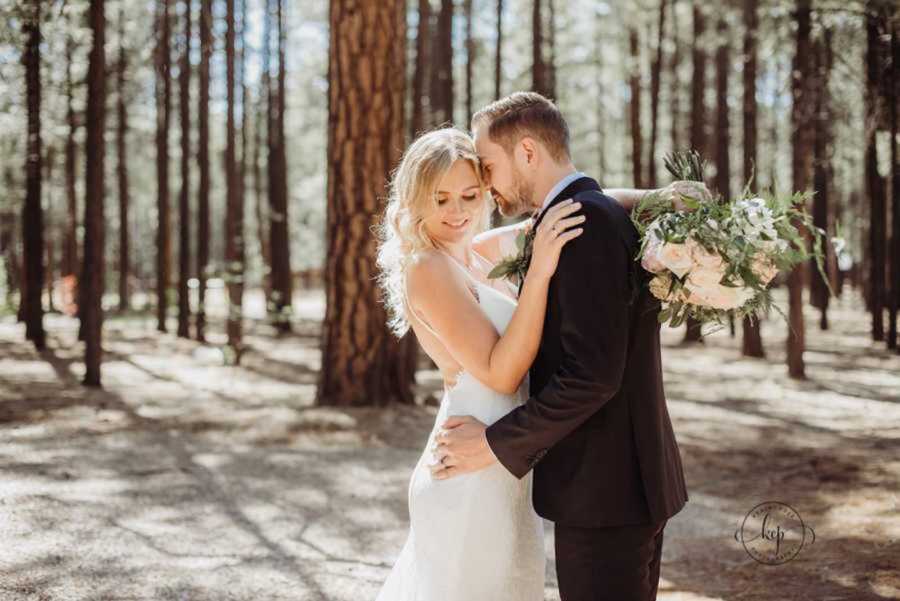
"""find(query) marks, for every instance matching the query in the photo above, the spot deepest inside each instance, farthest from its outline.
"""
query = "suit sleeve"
(592, 289)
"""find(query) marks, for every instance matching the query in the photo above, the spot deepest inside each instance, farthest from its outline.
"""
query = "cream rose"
(659, 286)
(676, 258)
(650, 261)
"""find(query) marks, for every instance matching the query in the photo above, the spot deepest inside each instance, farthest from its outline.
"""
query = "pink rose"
(716, 297)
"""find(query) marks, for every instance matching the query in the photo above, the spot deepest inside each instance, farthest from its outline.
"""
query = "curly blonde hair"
(412, 191)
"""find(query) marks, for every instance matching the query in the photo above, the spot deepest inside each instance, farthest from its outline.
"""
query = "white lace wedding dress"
(473, 537)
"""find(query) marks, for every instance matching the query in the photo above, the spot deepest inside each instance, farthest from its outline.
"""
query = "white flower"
(650, 261)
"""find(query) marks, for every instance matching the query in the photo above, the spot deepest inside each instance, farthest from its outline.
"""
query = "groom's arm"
(593, 294)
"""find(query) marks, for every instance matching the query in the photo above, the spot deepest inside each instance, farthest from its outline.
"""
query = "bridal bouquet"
(717, 257)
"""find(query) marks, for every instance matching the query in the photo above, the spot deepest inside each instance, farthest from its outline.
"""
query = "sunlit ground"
(189, 480)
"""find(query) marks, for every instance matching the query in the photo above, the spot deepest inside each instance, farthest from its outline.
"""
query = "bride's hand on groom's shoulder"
(678, 190)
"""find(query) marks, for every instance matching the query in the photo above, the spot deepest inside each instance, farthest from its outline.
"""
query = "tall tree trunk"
(122, 169)
(233, 205)
(184, 209)
(498, 56)
(634, 109)
(32, 212)
(551, 47)
(94, 266)
(723, 124)
(203, 217)
(278, 225)
(49, 226)
(470, 57)
(600, 128)
(675, 83)
(655, 79)
(822, 166)
(801, 148)
(362, 364)
(163, 117)
(751, 341)
(260, 212)
(540, 78)
(875, 183)
(893, 98)
(8, 237)
(441, 96)
(698, 120)
(70, 252)
(420, 113)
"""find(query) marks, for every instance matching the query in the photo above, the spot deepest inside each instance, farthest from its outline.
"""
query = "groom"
(595, 429)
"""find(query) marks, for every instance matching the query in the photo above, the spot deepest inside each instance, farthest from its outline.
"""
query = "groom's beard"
(519, 202)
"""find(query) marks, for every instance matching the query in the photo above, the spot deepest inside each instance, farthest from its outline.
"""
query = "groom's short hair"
(526, 114)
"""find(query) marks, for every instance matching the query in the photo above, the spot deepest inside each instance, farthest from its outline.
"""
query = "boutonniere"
(516, 265)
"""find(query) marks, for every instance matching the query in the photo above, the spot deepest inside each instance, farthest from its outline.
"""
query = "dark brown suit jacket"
(596, 429)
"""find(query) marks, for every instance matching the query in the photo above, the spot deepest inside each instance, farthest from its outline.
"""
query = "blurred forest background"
(187, 188)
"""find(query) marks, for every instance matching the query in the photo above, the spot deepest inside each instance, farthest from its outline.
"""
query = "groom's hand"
(461, 447)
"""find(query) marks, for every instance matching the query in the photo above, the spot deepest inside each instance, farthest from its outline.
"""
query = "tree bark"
(203, 191)
(362, 364)
(184, 209)
(655, 80)
(234, 256)
(498, 56)
(893, 98)
(70, 252)
(875, 183)
(821, 167)
(122, 169)
(163, 118)
(470, 57)
(540, 77)
(32, 211)
(723, 122)
(278, 224)
(751, 341)
(801, 147)
(94, 266)
(698, 121)
(420, 110)
(675, 84)
(441, 96)
(634, 110)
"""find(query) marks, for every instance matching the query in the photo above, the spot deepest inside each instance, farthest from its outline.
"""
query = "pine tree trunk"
(70, 252)
(634, 110)
(233, 239)
(32, 212)
(184, 209)
(258, 193)
(278, 225)
(818, 291)
(802, 150)
(675, 83)
(441, 95)
(94, 266)
(540, 79)
(420, 113)
(698, 121)
(498, 56)
(163, 118)
(875, 183)
(893, 98)
(601, 83)
(362, 364)
(751, 341)
(203, 191)
(551, 48)
(122, 169)
(723, 123)
(49, 226)
(655, 80)
(470, 57)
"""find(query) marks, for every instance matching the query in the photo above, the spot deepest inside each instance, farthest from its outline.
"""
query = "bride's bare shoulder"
(429, 271)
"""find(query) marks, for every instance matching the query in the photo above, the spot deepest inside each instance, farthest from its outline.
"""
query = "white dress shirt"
(559, 187)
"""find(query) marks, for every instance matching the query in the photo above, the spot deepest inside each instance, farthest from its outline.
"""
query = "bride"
(474, 537)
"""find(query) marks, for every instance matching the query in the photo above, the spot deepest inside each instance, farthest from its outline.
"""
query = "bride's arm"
(438, 293)
(499, 242)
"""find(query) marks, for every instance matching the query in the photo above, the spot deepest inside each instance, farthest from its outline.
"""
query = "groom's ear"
(529, 149)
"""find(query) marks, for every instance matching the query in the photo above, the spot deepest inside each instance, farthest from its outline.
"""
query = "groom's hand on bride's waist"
(460, 447)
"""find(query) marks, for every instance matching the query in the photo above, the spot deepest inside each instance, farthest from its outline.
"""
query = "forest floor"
(187, 480)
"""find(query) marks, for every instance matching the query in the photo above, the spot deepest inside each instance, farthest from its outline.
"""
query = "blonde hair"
(412, 190)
